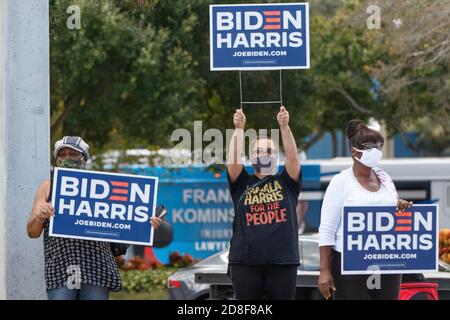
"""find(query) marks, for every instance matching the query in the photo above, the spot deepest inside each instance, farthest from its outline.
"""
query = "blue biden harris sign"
(379, 239)
(259, 36)
(103, 206)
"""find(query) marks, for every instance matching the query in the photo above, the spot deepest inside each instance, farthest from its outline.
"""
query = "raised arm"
(235, 151)
(292, 164)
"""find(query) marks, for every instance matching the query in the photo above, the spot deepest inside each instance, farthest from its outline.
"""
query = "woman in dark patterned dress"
(74, 269)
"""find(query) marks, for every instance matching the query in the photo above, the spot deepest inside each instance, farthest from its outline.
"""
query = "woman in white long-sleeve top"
(363, 184)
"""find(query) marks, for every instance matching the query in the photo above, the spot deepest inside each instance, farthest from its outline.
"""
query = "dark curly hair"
(359, 133)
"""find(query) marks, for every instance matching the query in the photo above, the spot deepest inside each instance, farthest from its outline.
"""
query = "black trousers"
(356, 287)
(271, 282)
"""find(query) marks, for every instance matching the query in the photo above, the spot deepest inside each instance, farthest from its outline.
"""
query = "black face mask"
(265, 165)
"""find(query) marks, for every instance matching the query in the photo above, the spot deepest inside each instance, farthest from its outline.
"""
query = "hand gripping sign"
(103, 206)
(259, 36)
(388, 242)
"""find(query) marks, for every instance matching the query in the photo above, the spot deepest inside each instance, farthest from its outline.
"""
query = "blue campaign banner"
(380, 240)
(201, 214)
(259, 36)
(102, 206)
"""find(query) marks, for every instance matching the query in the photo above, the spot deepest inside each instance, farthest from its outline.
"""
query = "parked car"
(182, 285)
(208, 278)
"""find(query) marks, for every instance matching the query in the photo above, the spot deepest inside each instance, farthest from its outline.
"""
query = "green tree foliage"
(119, 78)
(413, 70)
(137, 70)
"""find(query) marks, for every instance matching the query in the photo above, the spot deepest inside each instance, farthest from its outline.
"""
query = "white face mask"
(370, 158)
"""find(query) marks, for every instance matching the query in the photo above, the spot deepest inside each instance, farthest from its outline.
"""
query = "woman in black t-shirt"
(264, 256)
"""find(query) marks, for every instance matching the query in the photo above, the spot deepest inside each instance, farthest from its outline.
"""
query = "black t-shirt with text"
(265, 227)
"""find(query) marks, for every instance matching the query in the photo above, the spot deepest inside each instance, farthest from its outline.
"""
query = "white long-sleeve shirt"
(345, 190)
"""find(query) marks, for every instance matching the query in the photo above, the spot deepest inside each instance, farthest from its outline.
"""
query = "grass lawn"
(156, 294)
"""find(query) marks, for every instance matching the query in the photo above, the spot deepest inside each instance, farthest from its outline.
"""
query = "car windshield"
(308, 250)
(216, 260)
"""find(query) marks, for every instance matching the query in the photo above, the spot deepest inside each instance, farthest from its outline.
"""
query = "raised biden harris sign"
(379, 239)
(259, 36)
(103, 206)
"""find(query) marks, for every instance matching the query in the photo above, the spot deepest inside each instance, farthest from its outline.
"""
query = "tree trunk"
(334, 140)
(344, 144)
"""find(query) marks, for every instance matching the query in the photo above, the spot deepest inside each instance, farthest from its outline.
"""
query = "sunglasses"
(371, 145)
(261, 152)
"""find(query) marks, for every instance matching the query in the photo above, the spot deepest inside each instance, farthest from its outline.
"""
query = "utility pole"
(24, 141)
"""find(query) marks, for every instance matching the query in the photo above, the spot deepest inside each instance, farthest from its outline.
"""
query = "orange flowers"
(444, 245)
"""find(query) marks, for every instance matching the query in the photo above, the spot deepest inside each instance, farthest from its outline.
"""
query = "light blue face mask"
(370, 158)
(265, 165)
